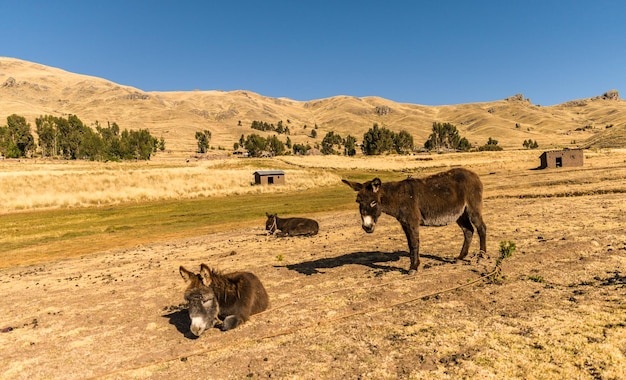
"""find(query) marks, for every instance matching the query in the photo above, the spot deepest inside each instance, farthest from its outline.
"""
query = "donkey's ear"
(267, 214)
(376, 184)
(185, 274)
(354, 185)
(205, 273)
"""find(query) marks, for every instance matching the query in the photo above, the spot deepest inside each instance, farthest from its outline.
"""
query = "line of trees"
(264, 126)
(530, 144)
(377, 140)
(346, 146)
(259, 146)
(71, 139)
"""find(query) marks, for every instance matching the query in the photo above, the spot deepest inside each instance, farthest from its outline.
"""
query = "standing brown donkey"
(437, 200)
(233, 297)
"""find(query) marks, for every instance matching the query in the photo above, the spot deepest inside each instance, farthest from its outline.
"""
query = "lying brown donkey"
(291, 226)
(233, 297)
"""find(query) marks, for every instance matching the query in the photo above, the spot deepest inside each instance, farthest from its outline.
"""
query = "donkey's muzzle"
(368, 228)
(368, 224)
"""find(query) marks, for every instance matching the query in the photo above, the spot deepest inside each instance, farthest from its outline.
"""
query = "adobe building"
(269, 177)
(561, 158)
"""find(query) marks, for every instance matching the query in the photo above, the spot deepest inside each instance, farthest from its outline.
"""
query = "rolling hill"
(31, 90)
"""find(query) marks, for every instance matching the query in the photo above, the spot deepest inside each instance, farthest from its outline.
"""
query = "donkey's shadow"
(180, 319)
(369, 259)
(372, 260)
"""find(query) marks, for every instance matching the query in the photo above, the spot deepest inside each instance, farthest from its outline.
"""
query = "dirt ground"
(342, 304)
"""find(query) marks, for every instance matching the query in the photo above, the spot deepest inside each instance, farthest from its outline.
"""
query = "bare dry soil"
(343, 305)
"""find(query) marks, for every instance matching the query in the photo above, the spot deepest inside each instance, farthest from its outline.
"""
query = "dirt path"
(558, 312)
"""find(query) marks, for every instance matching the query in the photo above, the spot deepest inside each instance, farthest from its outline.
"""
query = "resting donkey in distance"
(437, 200)
(291, 226)
(233, 297)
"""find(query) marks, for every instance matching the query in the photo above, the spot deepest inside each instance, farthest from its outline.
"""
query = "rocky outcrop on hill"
(10, 82)
(137, 96)
(382, 110)
(609, 95)
(517, 98)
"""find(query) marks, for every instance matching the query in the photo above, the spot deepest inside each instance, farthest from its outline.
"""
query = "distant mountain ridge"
(31, 90)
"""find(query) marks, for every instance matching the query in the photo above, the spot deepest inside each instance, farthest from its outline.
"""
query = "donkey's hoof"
(412, 272)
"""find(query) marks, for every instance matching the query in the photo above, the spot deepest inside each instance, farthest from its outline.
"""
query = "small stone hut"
(269, 177)
(561, 158)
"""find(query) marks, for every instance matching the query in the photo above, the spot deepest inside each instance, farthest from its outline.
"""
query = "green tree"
(492, 145)
(274, 146)
(6, 144)
(329, 141)
(378, 140)
(20, 141)
(111, 141)
(69, 134)
(464, 145)
(255, 145)
(530, 144)
(136, 145)
(403, 142)
(301, 149)
(349, 146)
(46, 132)
(75, 135)
(203, 139)
(91, 146)
(444, 136)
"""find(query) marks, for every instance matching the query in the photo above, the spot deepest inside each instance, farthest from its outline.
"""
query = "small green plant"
(506, 250)
(535, 278)
(279, 257)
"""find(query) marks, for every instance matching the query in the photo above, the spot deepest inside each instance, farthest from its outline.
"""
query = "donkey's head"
(202, 304)
(270, 223)
(368, 198)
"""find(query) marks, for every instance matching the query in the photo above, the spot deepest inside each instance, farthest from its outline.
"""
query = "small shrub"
(506, 249)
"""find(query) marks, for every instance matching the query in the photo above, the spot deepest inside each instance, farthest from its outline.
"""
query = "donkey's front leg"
(413, 238)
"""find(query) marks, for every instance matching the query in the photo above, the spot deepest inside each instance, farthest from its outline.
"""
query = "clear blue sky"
(423, 52)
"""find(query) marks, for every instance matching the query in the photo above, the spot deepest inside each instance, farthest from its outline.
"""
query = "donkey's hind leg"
(468, 232)
(481, 228)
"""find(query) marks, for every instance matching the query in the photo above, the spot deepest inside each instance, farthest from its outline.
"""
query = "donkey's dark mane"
(223, 285)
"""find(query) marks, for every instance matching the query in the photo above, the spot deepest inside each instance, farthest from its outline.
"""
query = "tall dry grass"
(29, 185)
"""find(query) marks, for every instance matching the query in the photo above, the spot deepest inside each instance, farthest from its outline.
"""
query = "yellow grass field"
(342, 303)
(44, 184)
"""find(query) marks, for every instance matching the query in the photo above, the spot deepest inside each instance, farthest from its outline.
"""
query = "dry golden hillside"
(31, 90)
